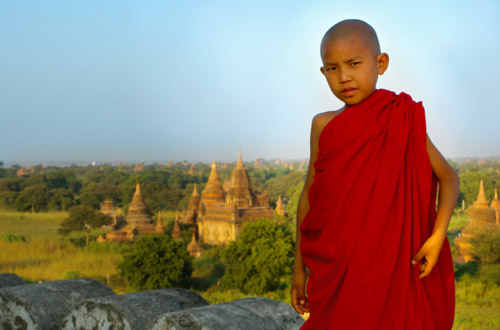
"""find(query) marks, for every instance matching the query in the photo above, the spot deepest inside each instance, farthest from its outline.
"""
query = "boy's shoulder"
(323, 118)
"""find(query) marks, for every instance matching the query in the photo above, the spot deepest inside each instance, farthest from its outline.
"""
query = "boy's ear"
(322, 69)
(382, 62)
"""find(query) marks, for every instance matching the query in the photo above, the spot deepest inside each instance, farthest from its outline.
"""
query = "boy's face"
(351, 68)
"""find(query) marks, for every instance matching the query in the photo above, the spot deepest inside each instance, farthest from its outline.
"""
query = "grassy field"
(31, 247)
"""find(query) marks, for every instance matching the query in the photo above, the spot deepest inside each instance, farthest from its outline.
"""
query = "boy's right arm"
(297, 291)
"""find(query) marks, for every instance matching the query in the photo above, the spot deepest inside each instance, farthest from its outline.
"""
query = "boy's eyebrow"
(352, 59)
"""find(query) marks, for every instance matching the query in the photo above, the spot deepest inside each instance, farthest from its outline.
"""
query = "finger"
(296, 302)
(417, 257)
(306, 307)
(428, 270)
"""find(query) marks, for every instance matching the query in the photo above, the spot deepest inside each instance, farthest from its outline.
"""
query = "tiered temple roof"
(221, 223)
(213, 192)
(137, 222)
(137, 211)
(239, 193)
(480, 212)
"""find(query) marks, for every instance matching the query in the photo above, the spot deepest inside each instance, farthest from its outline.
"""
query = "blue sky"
(130, 81)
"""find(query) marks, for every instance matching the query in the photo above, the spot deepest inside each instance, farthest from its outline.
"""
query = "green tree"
(7, 199)
(83, 218)
(156, 261)
(57, 180)
(2, 170)
(259, 258)
(485, 245)
(94, 193)
(61, 199)
(34, 197)
(294, 193)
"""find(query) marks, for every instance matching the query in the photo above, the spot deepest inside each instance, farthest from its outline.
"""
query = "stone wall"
(89, 304)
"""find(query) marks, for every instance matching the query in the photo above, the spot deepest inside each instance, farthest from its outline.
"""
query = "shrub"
(156, 261)
(259, 258)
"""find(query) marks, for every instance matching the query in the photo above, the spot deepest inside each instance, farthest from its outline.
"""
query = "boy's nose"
(344, 76)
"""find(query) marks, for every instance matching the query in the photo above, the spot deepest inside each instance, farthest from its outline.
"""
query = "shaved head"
(353, 28)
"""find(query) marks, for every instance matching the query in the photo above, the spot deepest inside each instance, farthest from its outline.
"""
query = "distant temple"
(219, 214)
(108, 208)
(137, 222)
(482, 217)
(280, 207)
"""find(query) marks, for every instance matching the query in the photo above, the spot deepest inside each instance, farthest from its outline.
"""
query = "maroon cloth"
(372, 206)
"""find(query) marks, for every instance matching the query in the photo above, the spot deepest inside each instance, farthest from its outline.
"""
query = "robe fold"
(372, 206)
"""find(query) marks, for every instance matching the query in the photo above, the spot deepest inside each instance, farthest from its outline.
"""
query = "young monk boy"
(367, 226)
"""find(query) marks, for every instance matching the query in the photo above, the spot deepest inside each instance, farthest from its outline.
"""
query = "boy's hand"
(297, 291)
(428, 255)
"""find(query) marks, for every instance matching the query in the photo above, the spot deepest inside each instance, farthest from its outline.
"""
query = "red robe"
(372, 206)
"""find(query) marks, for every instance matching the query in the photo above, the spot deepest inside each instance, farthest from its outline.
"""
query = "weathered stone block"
(243, 314)
(130, 311)
(8, 279)
(43, 306)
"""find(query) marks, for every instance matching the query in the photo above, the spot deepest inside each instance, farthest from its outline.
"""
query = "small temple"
(193, 248)
(108, 208)
(218, 215)
(189, 217)
(137, 222)
(280, 207)
(176, 231)
(481, 217)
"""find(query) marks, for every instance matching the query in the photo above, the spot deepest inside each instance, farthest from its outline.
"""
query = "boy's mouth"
(348, 91)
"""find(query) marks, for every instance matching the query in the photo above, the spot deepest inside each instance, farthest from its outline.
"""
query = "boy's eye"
(355, 63)
(332, 68)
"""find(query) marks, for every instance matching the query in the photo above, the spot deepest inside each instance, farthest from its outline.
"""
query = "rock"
(242, 314)
(7, 279)
(43, 306)
(129, 311)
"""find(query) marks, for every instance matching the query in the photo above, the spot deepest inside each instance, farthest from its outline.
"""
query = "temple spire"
(213, 177)
(159, 225)
(481, 197)
(195, 190)
(239, 164)
(176, 231)
(481, 201)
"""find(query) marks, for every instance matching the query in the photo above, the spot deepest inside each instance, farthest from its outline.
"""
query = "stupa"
(480, 219)
(239, 193)
(280, 207)
(213, 193)
(137, 222)
(159, 229)
(495, 205)
(189, 218)
(138, 216)
(176, 231)
(193, 248)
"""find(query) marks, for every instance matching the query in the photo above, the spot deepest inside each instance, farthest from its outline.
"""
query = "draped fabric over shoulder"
(372, 206)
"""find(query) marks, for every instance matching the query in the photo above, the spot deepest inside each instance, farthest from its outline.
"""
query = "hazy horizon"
(134, 81)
